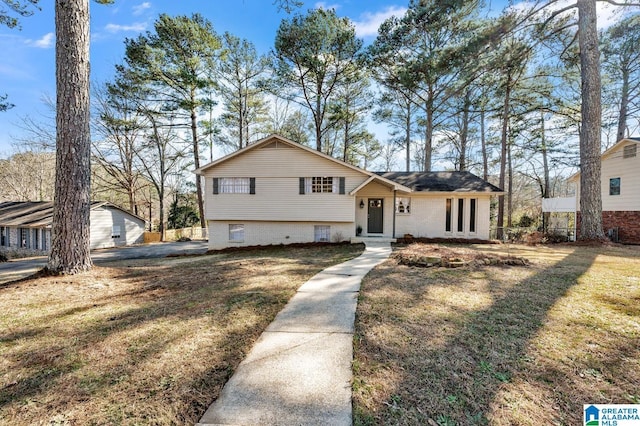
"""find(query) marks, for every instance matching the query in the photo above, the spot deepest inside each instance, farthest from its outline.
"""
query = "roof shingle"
(441, 181)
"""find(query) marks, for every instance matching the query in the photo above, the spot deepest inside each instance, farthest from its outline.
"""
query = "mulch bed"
(435, 255)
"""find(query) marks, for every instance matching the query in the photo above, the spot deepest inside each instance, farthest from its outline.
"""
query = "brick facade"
(627, 222)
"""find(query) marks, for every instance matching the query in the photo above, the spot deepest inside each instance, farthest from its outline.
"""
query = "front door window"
(375, 216)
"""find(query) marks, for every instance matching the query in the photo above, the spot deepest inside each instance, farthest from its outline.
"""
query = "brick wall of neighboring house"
(627, 222)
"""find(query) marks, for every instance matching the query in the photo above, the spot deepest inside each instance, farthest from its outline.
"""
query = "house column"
(393, 233)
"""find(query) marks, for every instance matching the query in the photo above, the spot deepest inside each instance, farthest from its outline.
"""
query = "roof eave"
(387, 182)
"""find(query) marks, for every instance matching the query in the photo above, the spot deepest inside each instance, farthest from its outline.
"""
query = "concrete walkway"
(299, 371)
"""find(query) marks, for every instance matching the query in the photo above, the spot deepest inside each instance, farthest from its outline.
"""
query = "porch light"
(362, 204)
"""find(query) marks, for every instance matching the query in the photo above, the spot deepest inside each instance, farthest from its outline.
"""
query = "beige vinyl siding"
(628, 170)
(266, 233)
(277, 198)
(102, 222)
(427, 217)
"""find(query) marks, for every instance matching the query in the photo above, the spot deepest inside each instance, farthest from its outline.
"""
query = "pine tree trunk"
(590, 192)
(317, 117)
(71, 208)
(196, 160)
(510, 193)
(483, 140)
(428, 136)
(624, 106)
(503, 156)
(464, 134)
(407, 138)
(545, 164)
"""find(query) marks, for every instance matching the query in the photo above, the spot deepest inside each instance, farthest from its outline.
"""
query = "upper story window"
(322, 185)
(234, 185)
(403, 205)
(630, 151)
(319, 184)
(614, 186)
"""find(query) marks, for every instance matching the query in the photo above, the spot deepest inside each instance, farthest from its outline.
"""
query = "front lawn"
(499, 345)
(141, 341)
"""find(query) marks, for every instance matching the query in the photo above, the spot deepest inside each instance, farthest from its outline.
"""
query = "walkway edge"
(299, 370)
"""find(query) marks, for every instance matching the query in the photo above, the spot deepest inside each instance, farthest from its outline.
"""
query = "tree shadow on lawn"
(456, 365)
(155, 347)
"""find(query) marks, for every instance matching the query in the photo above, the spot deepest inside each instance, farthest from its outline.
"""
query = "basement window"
(236, 233)
(321, 233)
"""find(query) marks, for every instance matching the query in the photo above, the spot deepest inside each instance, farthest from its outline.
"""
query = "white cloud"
(135, 27)
(325, 6)
(608, 14)
(369, 23)
(139, 9)
(45, 42)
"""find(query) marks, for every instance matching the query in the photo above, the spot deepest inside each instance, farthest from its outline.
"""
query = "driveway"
(14, 270)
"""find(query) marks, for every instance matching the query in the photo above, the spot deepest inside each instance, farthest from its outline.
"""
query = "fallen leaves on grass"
(141, 341)
(499, 346)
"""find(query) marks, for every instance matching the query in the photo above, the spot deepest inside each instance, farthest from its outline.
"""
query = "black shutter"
(342, 185)
(252, 185)
(215, 186)
(301, 186)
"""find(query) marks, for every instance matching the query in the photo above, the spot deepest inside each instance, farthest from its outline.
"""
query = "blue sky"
(27, 68)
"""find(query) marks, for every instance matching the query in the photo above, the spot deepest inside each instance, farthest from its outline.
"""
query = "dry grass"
(141, 342)
(499, 345)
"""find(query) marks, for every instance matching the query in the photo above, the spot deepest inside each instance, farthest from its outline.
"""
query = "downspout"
(393, 235)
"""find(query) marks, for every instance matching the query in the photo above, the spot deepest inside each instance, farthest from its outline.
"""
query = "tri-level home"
(276, 191)
(620, 180)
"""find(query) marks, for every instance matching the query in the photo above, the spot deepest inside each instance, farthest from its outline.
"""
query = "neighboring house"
(276, 191)
(620, 180)
(27, 225)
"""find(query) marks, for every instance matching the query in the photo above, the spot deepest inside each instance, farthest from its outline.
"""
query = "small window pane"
(461, 215)
(24, 237)
(614, 186)
(234, 185)
(403, 205)
(472, 215)
(236, 232)
(448, 215)
(321, 185)
(321, 233)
